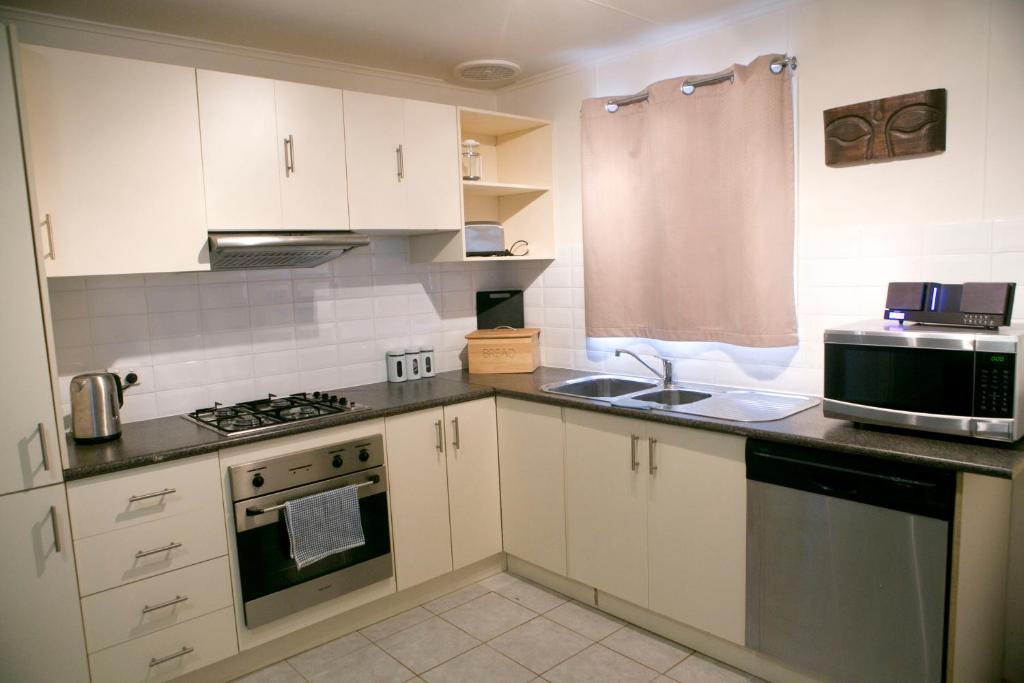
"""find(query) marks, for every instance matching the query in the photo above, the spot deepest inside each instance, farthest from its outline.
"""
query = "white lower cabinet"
(531, 448)
(443, 474)
(169, 653)
(656, 515)
(41, 633)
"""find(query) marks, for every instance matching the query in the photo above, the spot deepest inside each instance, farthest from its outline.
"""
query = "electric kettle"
(96, 400)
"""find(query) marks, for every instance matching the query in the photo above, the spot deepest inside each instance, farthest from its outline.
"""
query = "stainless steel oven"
(272, 585)
(936, 379)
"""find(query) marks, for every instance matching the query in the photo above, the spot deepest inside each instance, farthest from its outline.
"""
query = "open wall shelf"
(514, 188)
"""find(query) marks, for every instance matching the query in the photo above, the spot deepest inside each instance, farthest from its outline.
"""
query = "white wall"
(954, 217)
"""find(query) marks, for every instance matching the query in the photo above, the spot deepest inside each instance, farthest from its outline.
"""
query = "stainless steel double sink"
(706, 400)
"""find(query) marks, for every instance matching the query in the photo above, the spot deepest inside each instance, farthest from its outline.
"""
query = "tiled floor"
(506, 630)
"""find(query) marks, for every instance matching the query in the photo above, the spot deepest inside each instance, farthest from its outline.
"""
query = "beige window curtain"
(688, 212)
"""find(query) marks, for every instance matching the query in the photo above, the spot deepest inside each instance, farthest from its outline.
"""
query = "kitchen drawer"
(151, 605)
(124, 499)
(111, 559)
(204, 640)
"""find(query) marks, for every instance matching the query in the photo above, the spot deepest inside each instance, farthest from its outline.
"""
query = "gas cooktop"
(272, 412)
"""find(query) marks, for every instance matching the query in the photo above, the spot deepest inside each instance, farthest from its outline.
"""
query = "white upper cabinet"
(115, 154)
(273, 154)
(404, 158)
(241, 156)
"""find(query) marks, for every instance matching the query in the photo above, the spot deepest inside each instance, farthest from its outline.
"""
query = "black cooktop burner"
(271, 412)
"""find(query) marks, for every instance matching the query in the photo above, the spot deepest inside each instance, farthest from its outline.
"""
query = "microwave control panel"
(994, 384)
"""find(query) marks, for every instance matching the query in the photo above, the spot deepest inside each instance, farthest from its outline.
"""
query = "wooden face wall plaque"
(897, 127)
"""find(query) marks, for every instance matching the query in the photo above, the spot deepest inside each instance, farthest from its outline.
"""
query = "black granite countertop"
(153, 441)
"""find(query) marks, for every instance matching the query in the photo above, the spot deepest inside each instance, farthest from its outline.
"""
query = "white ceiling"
(425, 37)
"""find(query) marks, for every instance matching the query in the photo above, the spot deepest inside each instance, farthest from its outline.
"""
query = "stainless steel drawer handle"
(456, 441)
(401, 163)
(180, 653)
(634, 462)
(440, 436)
(154, 494)
(162, 549)
(289, 156)
(58, 546)
(42, 447)
(146, 609)
(651, 465)
(49, 237)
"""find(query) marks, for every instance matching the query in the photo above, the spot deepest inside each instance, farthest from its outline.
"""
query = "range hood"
(254, 250)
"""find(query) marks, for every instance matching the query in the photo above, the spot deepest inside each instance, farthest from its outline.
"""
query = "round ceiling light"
(487, 71)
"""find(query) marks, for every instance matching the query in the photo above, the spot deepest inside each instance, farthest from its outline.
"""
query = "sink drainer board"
(748, 406)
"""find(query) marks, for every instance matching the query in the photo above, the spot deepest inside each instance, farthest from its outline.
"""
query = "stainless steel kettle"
(96, 400)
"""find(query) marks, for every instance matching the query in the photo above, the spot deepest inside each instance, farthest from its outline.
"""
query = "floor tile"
(322, 658)
(540, 644)
(488, 616)
(584, 620)
(700, 669)
(453, 600)
(479, 664)
(498, 581)
(427, 644)
(383, 629)
(646, 648)
(366, 665)
(531, 596)
(282, 672)
(598, 664)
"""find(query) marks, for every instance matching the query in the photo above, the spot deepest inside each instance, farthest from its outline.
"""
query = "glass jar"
(471, 162)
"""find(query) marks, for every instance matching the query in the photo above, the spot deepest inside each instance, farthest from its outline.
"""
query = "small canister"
(427, 361)
(412, 363)
(396, 366)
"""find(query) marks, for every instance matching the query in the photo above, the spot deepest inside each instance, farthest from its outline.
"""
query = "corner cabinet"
(115, 156)
(443, 475)
(404, 158)
(656, 515)
(273, 154)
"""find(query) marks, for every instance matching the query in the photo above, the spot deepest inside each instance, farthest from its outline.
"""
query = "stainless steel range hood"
(253, 250)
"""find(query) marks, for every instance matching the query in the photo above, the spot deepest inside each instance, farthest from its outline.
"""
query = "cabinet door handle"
(42, 447)
(456, 441)
(146, 609)
(49, 238)
(440, 437)
(162, 549)
(634, 462)
(154, 494)
(289, 156)
(651, 465)
(400, 156)
(180, 653)
(57, 544)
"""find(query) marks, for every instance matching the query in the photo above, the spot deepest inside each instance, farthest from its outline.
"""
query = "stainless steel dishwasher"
(848, 563)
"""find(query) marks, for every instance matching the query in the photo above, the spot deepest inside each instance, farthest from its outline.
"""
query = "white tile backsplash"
(196, 338)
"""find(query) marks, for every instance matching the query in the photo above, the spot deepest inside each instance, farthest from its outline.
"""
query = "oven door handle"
(254, 512)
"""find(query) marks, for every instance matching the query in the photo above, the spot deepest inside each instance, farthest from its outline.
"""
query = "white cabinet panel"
(39, 597)
(373, 134)
(433, 180)
(697, 528)
(531, 443)
(473, 493)
(418, 493)
(606, 503)
(29, 434)
(241, 154)
(117, 162)
(314, 192)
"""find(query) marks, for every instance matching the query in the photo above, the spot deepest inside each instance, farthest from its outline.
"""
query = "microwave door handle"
(254, 512)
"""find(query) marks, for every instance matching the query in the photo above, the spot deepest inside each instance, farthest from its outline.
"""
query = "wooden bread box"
(504, 350)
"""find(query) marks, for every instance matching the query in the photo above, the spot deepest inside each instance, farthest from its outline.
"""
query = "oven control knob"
(343, 401)
(257, 480)
(364, 455)
(337, 461)
(316, 394)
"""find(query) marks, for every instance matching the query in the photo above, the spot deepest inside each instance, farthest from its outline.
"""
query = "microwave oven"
(935, 379)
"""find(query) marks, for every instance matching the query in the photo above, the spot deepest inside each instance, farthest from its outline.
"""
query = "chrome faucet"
(666, 365)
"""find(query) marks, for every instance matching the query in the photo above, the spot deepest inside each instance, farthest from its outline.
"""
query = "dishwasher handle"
(907, 487)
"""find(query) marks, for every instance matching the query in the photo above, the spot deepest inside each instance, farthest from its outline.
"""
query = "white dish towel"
(324, 524)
